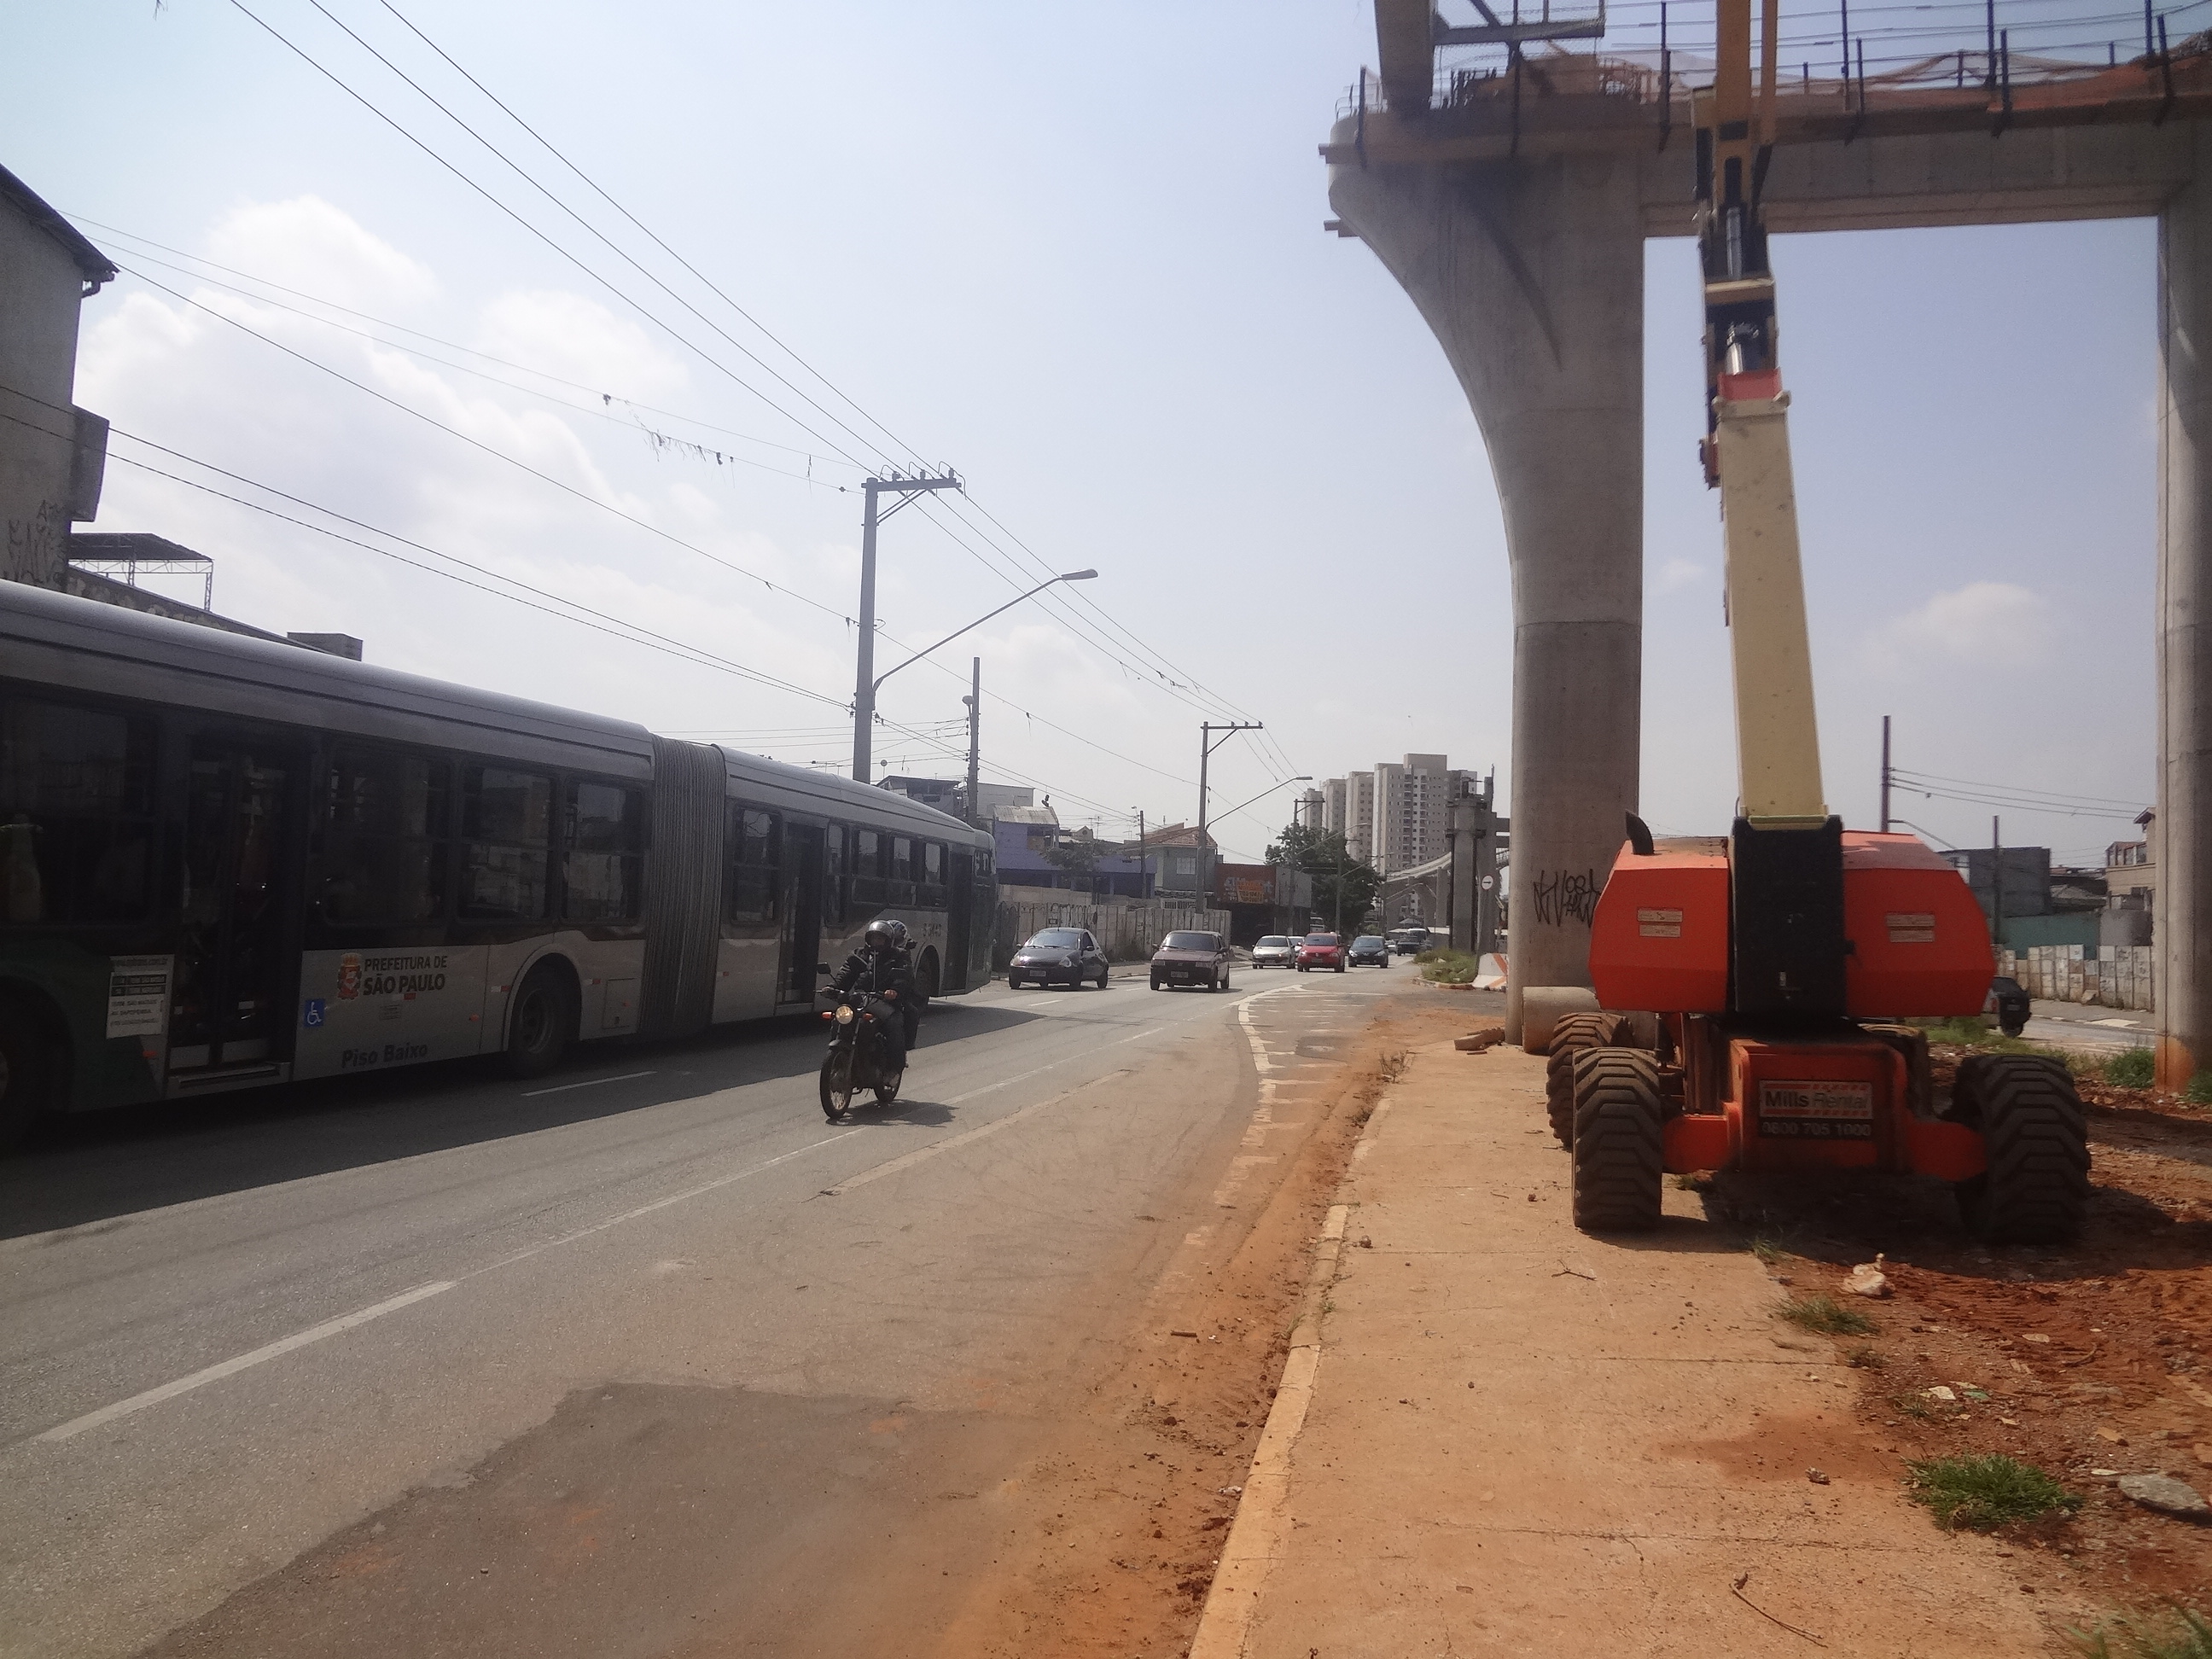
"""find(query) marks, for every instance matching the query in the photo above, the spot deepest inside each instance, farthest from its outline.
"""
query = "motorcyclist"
(882, 969)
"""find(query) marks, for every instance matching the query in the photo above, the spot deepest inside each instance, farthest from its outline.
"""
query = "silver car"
(1276, 950)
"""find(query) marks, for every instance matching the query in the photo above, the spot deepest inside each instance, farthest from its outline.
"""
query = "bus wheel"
(538, 1029)
(26, 1074)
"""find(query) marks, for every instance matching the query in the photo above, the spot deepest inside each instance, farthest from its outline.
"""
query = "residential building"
(951, 795)
(1181, 861)
(1395, 816)
(52, 454)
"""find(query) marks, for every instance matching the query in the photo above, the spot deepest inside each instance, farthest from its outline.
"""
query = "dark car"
(1321, 950)
(1190, 958)
(1068, 955)
(2009, 1004)
(1409, 941)
(1370, 950)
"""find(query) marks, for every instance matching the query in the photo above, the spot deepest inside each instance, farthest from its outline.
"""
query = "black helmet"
(884, 933)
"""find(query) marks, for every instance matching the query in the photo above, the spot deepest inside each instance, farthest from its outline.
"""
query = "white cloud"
(308, 244)
(1983, 624)
(1677, 574)
(580, 339)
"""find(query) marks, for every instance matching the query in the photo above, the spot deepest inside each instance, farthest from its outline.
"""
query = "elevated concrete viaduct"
(1517, 229)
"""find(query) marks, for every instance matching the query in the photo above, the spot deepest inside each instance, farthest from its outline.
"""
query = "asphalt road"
(2071, 1025)
(642, 1357)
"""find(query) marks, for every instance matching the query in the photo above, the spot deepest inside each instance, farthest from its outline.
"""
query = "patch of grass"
(1866, 1358)
(1449, 967)
(1984, 1492)
(2130, 1069)
(1911, 1405)
(2199, 1091)
(1824, 1315)
(1768, 1252)
(1968, 1028)
(1694, 1181)
(2174, 1633)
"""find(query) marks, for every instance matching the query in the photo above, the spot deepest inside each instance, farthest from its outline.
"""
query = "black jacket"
(893, 970)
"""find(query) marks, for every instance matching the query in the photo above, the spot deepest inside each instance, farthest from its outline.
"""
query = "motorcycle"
(856, 1060)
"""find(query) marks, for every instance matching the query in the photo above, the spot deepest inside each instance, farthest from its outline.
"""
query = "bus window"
(505, 819)
(833, 871)
(384, 823)
(755, 853)
(76, 832)
(867, 867)
(933, 875)
(602, 863)
(902, 858)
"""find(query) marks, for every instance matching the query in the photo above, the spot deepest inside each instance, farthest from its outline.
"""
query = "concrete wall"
(40, 285)
(2112, 977)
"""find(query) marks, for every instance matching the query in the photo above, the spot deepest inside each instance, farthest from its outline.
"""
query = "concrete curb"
(1255, 1538)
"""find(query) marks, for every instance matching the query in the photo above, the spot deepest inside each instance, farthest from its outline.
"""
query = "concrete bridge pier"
(2182, 927)
(1530, 272)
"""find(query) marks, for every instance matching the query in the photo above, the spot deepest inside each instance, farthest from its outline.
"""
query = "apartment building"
(1395, 816)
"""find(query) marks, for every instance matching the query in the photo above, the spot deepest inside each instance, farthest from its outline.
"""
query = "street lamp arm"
(1070, 576)
(1304, 777)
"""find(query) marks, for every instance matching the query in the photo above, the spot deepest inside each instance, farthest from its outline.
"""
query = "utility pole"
(864, 680)
(1144, 859)
(1996, 883)
(1207, 743)
(975, 700)
(1885, 775)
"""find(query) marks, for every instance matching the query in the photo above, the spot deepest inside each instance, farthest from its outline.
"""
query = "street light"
(1302, 777)
(862, 716)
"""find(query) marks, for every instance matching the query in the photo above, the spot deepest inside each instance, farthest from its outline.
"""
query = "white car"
(1276, 950)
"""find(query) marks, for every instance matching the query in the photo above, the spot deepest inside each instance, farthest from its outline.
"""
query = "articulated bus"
(227, 862)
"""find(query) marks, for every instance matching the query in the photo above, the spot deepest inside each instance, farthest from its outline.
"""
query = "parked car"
(1190, 957)
(1067, 954)
(1321, 950)
(1370, 950)
(2009, 1003)
(1276, 950)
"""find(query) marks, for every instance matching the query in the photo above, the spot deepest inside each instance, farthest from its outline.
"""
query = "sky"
(1086, 269)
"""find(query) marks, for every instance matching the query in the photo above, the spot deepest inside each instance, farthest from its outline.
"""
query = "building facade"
(52, 453)
(1395, 816)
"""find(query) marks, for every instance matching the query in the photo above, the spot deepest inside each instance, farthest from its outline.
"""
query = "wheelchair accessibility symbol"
(314, 1012)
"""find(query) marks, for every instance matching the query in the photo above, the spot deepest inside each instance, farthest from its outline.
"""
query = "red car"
(1321, 950)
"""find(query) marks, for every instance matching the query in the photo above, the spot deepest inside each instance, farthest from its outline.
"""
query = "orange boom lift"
(1782, 958)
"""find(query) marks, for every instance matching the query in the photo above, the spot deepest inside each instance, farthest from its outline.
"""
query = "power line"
(1111, 652)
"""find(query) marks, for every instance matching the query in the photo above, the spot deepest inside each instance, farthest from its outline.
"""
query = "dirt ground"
(2095, 1358)
(1126, 1511)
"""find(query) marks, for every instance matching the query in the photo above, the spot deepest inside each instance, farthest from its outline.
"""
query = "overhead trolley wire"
(613, 288)
(1110, 650)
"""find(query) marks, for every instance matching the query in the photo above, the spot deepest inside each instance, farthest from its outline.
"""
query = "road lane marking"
(216, 1373)
(588, 1083)
(965, 1138)
(285, 1345)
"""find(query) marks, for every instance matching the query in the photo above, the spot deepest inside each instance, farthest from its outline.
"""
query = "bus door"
(235, 957)
(959, 921)
(802, 914)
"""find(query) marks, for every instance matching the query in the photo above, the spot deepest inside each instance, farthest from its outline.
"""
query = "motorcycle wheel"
(887, 1088)
(836, 1086)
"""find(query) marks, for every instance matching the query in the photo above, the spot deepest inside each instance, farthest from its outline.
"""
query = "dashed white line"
(588, 1083)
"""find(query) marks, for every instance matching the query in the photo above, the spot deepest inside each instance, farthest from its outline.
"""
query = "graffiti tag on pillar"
(1564, 894)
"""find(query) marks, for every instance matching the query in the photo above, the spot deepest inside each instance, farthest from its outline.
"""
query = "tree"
(1323, 854)
(1078, 856)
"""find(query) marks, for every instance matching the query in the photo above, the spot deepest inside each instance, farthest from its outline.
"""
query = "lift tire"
(1618, 1154)
(2036, 1139)
(1570, 1034)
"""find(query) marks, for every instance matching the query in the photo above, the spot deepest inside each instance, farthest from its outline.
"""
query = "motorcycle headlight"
(844, 1015)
